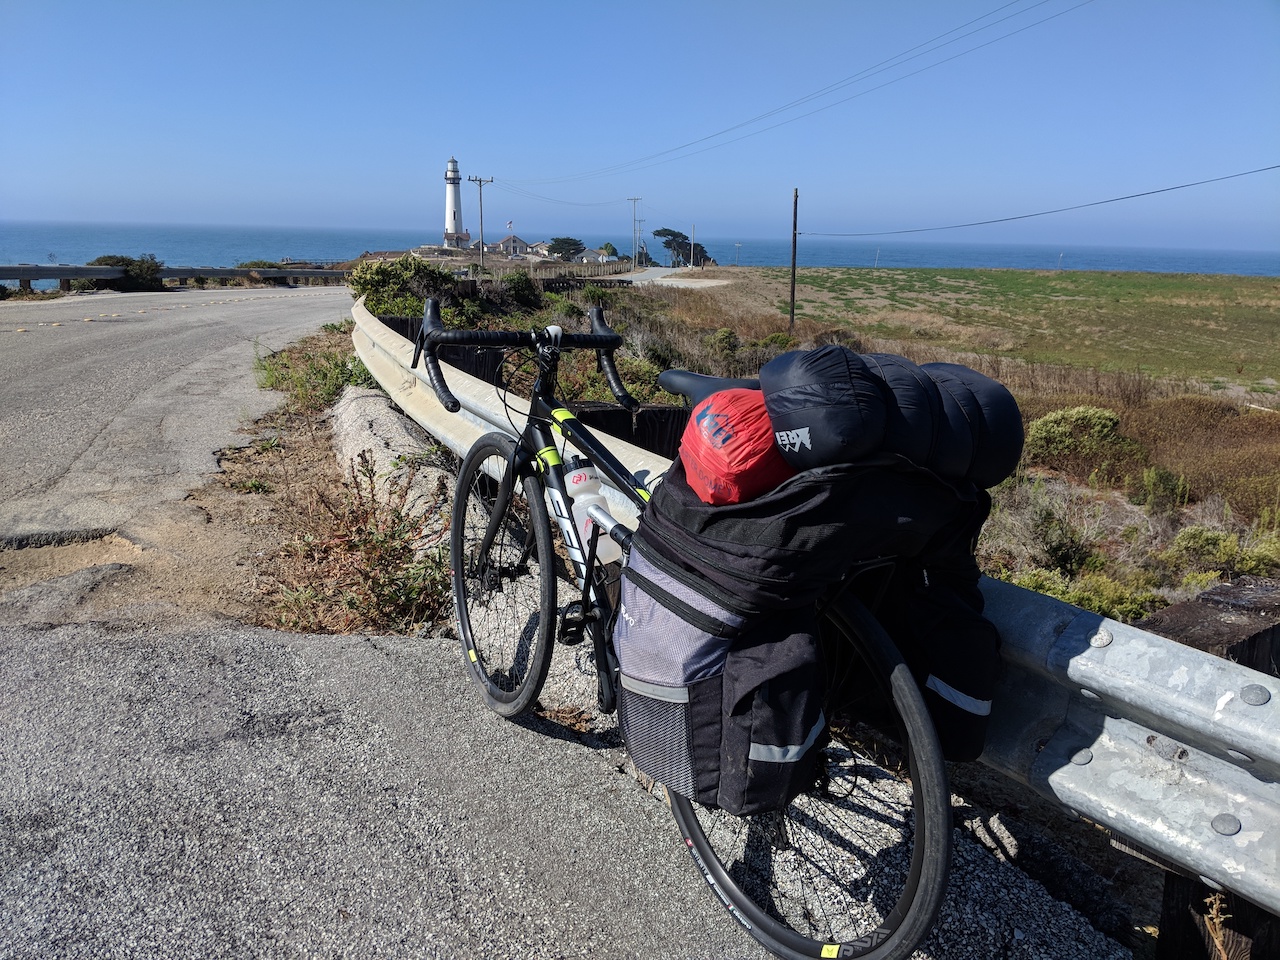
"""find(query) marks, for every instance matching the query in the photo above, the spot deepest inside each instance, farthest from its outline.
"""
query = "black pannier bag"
(672, 643)
(774, 728)
(893, 457)
(722, 677)
(718, 706)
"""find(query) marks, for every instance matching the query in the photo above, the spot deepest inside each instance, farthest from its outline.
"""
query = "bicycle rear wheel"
(856, 866)
(504, 589)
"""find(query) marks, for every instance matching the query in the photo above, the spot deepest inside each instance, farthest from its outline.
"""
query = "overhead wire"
(863, 93)
(897, 60)
(509, 187)
(1045, 213)
(932, 45)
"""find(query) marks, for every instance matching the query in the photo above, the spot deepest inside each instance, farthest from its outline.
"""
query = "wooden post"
(795, 210)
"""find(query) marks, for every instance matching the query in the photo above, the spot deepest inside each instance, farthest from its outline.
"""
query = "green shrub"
(596, 296)
(1162, 493)
(1112, 598)
(140, 273)
(1064, 544)
(312, 378)
(1102, 594)
(400, 287)
(1083, 442)
(780, 341)
(724, 342)
(522, 289)
(557, 305)
(1198, 549)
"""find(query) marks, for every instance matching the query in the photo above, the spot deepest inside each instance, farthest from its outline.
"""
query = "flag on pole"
(509, 224)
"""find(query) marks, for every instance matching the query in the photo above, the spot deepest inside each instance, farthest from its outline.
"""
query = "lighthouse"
(454, 234)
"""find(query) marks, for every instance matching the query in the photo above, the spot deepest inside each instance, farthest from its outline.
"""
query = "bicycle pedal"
(573, 625)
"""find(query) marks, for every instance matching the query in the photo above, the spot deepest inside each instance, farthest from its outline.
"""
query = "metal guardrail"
(388, 356)
(57, 271)
(62, 271)
(1175, 750)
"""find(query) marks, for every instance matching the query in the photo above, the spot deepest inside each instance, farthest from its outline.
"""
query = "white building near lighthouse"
(455, 235)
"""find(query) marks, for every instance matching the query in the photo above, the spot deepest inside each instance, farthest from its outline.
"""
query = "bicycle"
(856, 866)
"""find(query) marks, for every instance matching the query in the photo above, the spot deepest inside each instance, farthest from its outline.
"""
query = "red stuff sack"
(728, 450)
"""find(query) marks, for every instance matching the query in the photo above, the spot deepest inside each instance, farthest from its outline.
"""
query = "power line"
(1045, 213)
(905, 76)
(897, 60)
(507, 186)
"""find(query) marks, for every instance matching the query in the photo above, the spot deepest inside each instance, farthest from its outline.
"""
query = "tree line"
(682, 252)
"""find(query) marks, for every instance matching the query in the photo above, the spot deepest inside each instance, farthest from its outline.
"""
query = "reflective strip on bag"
(656, 691)
(789, 753)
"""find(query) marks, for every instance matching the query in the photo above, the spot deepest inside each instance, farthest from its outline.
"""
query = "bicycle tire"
(858, 865)
(504, 590)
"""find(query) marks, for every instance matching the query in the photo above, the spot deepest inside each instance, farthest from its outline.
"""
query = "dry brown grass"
(359, 551)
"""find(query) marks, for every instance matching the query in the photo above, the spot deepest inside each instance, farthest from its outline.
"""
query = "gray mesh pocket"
(655, 727)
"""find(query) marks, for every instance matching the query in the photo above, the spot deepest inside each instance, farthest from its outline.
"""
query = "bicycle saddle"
(698, 386)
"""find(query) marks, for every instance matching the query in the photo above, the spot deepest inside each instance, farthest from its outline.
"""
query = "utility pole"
(480, 183)
(795, 211)
(635, 232)
(693, 233)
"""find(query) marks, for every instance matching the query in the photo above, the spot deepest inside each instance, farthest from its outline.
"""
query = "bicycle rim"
(856, 866)
(503, 577)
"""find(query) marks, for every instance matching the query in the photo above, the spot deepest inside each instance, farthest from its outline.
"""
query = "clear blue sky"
(344, 115)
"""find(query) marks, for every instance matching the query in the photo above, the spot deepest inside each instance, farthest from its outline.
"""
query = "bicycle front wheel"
(504, 589)
(857, 865)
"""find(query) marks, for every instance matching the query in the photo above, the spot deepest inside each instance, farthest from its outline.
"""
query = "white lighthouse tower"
(454, 234)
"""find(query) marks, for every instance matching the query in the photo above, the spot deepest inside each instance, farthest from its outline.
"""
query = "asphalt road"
(112, 402)
(223, 792)
(208, 790)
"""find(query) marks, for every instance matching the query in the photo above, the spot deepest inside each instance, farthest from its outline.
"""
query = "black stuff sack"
(832, 406)
(721, 707)
(826, 406)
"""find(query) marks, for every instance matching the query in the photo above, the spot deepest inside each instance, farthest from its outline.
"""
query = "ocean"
(210, 246)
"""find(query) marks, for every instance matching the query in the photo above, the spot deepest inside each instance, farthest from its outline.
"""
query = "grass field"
(1215, 329)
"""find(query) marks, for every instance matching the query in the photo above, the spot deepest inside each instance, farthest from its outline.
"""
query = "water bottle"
(584, 486)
